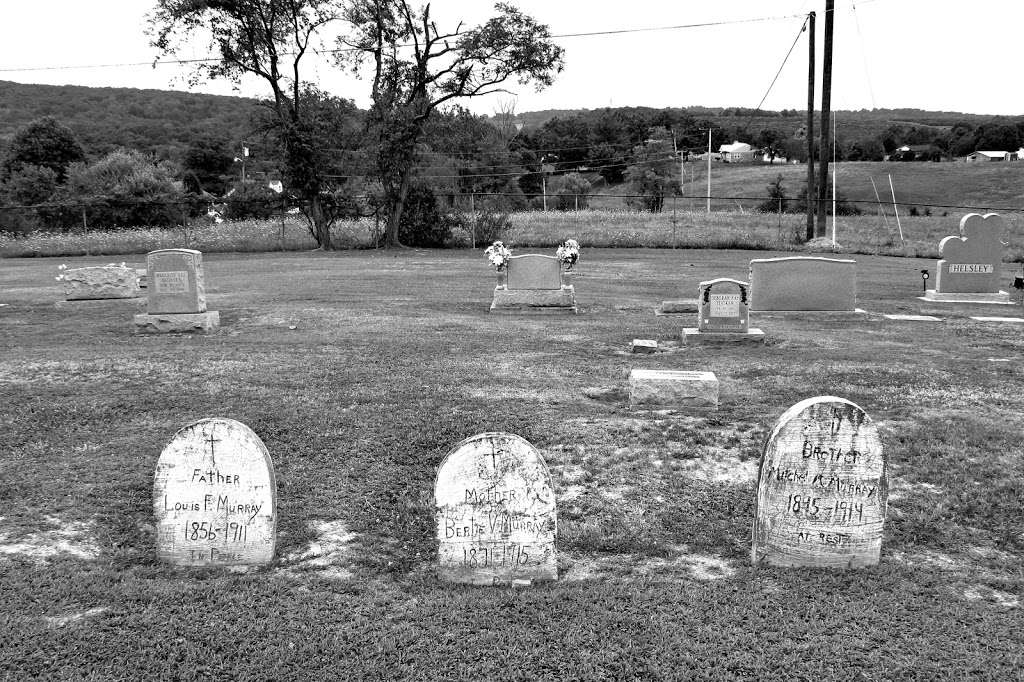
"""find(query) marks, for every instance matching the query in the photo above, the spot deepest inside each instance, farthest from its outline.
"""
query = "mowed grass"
(393, 359)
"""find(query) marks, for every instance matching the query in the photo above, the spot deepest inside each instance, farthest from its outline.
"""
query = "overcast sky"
(927, 54)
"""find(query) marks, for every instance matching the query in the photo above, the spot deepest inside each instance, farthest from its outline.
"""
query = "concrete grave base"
(677, 307)
(170, 323)
(673, 388)
(1001, 297)
(518, 301)
(693, 336)
(101, 303)
(912, 318)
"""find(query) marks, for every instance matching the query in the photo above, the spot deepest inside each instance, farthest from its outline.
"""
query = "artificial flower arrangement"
(498, 254)
(569, 253)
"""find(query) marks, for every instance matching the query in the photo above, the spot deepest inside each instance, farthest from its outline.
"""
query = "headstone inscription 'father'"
(215, 497)
(822, 488)
(175, 281)
(495, 512)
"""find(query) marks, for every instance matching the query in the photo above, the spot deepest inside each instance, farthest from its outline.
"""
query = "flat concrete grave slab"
(913, 318)
(495, 513)
(679, 306)
(534, 285)
(803, 283)
(644, 346)
(1017, 320)
(970, 262)
(215, 497)
(693, 336)
(673, 388)
(822, 488)
(998, 298)
(102, 282)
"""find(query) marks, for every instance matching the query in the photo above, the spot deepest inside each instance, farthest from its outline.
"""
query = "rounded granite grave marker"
(215, 497)
(821, 490)
(495, 510)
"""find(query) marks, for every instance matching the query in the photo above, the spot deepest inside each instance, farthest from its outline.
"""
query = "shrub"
(252, 200)
(422, 223)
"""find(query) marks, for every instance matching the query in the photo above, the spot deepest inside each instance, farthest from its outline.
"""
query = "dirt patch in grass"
(61, 538)
(680, 563)
(74, 618)
(328, 554)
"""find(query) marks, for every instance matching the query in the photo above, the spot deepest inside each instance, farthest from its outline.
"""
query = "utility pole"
(811, 189)
(826, 113)
(709, 167)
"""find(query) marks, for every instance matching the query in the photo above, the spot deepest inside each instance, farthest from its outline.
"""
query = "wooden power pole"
(826, 114)
(811, 189)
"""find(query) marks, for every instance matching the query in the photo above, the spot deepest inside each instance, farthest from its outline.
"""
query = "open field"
(393, 359)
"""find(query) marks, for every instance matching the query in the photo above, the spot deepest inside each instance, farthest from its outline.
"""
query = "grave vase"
(502, 278)
(567, 276)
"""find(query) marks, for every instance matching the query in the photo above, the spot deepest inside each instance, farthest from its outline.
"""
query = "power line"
(64, 67)
(783, 65)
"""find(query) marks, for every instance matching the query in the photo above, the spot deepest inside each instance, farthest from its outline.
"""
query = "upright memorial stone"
(822, 488)
(534, 285)
(723, 314)
(803, 283)
(215, 497)
(176, 293)
(495, 512)
(970, 265)
(99, 282)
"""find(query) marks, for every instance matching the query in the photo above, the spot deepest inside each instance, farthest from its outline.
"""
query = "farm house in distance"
(987, 156)
(737, 152)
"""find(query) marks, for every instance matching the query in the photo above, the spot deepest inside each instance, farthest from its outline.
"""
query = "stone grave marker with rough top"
(215, 497)
(495, 512)
(821, 489)
(100, 282)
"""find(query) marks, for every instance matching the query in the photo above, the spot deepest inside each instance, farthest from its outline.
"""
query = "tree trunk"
(395, 217)
(321, 224)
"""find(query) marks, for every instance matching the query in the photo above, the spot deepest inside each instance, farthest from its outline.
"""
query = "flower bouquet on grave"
(498, 254)
(568, 253)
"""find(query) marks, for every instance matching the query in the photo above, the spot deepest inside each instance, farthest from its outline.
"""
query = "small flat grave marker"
(215, 497)
(495, 511)
(913, 318)
(998, 319)
(822, 488)
(644, 346)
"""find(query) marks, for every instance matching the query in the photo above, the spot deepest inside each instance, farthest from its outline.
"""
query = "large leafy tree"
(417, 68)
(45, 143)
(268, 39)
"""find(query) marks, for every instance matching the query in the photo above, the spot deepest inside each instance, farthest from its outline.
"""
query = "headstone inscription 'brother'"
(495, 512)
(215, 497)
(822, 488)
(175, 281)
(971, 261)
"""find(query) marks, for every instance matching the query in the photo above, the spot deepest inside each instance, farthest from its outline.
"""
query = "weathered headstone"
(809, 283)
(99, 282)
(971, 262)
(215, 497)
(534, 285)
(644, 346)
(176, 293)
(175, 281)
(673, 388)
(822, 488)
(495, 510)
(724, 314)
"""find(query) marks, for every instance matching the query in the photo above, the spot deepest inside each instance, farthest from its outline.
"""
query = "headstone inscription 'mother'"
(822, 488)
(175, 282)
(495, 512)
(215, 497)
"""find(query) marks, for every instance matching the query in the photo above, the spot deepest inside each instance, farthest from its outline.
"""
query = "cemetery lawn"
(360, 370)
